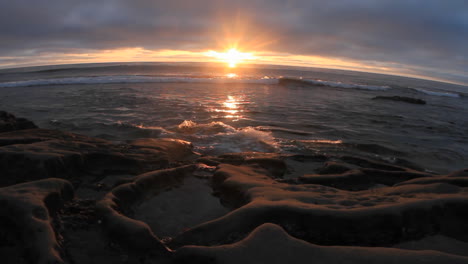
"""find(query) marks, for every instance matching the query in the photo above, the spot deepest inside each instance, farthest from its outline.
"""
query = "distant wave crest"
(332, 84)
(434, 93)
(164, 79)
(121, 79)
(132, 79)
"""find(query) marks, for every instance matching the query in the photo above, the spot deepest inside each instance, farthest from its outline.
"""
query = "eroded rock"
(330, 216)
(41, 153)
(117, 204)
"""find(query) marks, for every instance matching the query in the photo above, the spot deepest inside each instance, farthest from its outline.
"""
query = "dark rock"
(401, 99)
(367, 163)
(269, 243)
(41, 153)
(272, 162)
(376, 149)
(294, 81)
(174, 149)
(332, 167)
(458, 180)
(313, 158)
(361, 179)
(9, 122)
(460, 173)
(275, 166)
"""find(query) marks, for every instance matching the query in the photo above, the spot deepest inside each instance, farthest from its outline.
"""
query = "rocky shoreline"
(69, 198)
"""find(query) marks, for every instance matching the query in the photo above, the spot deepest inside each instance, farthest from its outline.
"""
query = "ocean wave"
(219, 138)
(120, 79)
(337, 147)
(332, 84)
(283, 130)
(434, 93)
(133, 79)
(190, 127)
(322, 141)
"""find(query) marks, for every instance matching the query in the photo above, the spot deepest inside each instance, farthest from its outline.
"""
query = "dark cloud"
(429, 35)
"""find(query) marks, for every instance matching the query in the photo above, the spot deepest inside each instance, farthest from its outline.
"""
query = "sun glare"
(231, 75)
(232, 57)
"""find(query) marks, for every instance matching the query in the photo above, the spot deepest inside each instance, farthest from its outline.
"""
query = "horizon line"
(417, 77)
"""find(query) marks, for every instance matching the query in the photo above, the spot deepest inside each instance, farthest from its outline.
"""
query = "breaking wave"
(332, 84)
(444, 94)
(133, 79)
(218, 137)
(120, 79)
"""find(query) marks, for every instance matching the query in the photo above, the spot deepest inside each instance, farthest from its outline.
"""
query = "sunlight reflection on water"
(232, 107)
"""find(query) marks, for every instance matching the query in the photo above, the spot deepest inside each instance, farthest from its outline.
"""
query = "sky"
(422, 38)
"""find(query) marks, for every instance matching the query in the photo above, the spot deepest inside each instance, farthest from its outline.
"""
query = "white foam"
(347, 85)
(218, 138)
(445, 94)
(133, 79)
(244, 140)
(190, 127)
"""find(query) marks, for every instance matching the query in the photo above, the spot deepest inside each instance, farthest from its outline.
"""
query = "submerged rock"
(401, 99)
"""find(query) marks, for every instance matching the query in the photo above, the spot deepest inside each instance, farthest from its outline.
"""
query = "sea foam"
(218, 137)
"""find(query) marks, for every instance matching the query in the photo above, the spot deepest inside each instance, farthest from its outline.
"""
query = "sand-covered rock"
(269, 243)
(330, 216)
(120, 203)
(26, 214)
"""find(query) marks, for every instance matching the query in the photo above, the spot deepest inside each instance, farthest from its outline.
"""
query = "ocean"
(252, 108)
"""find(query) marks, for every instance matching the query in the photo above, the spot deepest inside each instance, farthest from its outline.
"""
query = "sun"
(232, 57)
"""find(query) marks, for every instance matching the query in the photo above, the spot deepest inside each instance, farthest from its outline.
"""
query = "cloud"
(427, 35)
